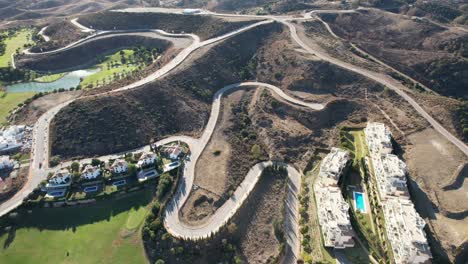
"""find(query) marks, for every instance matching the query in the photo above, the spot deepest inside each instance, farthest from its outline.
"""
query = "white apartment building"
(119, 166)
(404, 226)
(6, 163)
(90, 172)
(405, 230)
(60, 177)
(390, 174)
(148, 158)
(379, 138)
(333, 217)
(332, 167)
(332, 209)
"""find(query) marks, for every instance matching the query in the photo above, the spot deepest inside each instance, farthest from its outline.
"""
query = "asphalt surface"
(40, 147)
(41, 32)
(172, 221)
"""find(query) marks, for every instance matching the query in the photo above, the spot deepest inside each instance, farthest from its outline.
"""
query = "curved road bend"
(80, 26)
(107, 34)
(178, 229)
(41, 32)
(40, 145)
(382, 79)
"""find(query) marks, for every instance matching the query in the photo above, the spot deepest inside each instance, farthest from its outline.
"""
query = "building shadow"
(425, 207)
(459, 180)
(72, 217)
(10, 238)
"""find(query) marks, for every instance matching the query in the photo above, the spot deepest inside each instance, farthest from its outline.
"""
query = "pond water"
(69, 80)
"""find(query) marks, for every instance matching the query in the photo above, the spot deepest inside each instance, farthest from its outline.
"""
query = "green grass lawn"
(9, 101)
(49, 78)
(105, 232)
(107, 72)
(12, 44)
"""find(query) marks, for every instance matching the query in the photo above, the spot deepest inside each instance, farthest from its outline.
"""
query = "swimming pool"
(90, 189)
(359, 202)
(119, 183)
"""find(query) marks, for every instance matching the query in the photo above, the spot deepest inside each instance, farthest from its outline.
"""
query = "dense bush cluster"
(463, 120)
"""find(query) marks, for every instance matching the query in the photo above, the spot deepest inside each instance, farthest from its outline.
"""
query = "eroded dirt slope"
(204, 26)
(178, 103)
(60, 33)
(434, 55)
(88, 53)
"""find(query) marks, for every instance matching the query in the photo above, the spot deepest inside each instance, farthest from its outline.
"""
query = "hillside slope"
(436, 56)
(88, 53)
(204, 26)
(61, 33)
(178, 103)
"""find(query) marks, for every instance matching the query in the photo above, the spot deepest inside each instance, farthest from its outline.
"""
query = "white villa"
(379, 138)
(119, 166)
(333, 216)
(6, 163)
(390, 174)
(405, 232)
(11, 137)
(332, 208)
(332, 166)
(173, 152)
(404, 226)
(148, 158)
(60, 177)
(90, 172)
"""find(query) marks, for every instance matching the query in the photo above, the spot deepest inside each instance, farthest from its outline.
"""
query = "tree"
(95, 162)
(159, 261)
(256, 151)
(132, 170)
(75, 166)
(54, 161)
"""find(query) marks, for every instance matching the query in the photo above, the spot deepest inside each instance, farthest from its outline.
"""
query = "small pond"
(69, 80)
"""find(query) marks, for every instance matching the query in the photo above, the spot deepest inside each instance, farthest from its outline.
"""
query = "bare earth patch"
(29, 114)
(434, 164)
(211, 172)
(256, 219)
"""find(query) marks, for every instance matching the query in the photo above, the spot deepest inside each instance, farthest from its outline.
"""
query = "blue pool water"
(359, 202)
(90, 189)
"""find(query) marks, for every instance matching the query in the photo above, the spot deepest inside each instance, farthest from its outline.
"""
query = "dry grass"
(432, 161)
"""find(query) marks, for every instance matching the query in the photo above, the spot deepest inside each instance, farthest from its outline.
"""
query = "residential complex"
(332, 166)
(332, 209)
(334, 217)
(405, 230)
(379, 138)
(404, 227)
(390, 175)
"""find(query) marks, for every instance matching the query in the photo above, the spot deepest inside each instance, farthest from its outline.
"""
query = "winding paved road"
(40, 146)
(41, 32)
(178, 229)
